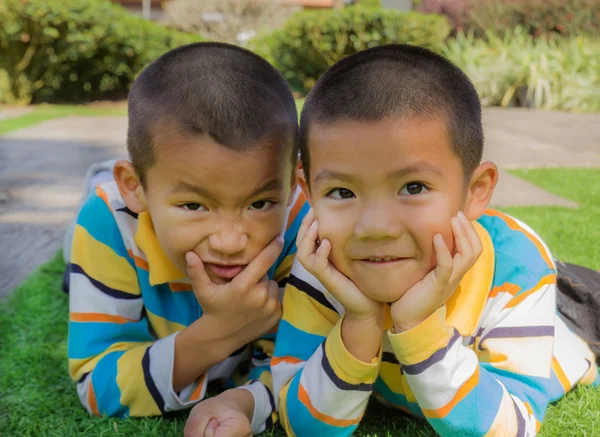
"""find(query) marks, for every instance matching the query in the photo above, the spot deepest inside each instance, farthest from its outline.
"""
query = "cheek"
(336, 228)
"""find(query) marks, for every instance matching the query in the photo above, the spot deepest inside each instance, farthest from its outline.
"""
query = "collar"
(160, 268)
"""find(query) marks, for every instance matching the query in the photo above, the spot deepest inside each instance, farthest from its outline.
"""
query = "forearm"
(329, 395)
(458, 393)
(200, 346)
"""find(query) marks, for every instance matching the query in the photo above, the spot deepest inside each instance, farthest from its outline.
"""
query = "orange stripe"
(300, 201)
(139, 262)
(507, 287)
(180, 286)
(102, 195)
(92, 399)
(342, 423)
(546, 280)
(440, 413)
(195, 396)
(560, 374)
(515, 226)
(98, 317)
(289, 360)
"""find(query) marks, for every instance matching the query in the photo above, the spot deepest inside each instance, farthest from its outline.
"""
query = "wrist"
(241, 400)
(362, 337)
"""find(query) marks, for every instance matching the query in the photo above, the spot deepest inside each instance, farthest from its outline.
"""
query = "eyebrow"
(413, 168)
(274, 184)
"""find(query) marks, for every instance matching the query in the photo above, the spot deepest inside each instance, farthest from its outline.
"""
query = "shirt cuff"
(344, 364)
(162, 364)
(262, 405)
(422, 341)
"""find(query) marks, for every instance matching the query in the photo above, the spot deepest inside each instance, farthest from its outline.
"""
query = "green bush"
(561, 73)
(312, 41)
(76, 50)
(537, 17)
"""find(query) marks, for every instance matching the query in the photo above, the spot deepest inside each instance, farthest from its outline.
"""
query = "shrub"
(537, 17)
(75, 50)
(561, 73)
(312, 41)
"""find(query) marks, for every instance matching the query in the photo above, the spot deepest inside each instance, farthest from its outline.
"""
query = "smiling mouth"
(383, 260)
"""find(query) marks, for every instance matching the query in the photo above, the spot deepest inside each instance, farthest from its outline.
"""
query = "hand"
(315, 259)
(249, 304)
(426, 296)
(362, 327)
(221, 416)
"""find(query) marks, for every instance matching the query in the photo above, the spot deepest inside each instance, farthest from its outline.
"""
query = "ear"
(294, 185)
(130, 186)
(481, 188)
(301, 178)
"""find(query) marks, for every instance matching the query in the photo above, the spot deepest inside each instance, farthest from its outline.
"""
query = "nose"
(228, 241)
(377, 220)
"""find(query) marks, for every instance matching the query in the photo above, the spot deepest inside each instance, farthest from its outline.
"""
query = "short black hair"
(397, 81)
(224, 91)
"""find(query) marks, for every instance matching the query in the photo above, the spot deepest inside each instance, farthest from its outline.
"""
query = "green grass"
(37, 397)
(47, 112)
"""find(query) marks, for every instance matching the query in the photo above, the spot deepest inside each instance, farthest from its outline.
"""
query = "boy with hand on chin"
(175, 264)
(405, 285)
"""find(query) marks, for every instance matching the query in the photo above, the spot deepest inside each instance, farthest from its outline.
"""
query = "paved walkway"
(42, 168)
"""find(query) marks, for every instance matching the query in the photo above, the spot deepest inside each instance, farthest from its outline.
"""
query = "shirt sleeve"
(498, 386)
(120, 367)
(321, 388)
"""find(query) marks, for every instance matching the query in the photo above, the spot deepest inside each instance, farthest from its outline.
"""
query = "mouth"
(388, 259)
(225, 271)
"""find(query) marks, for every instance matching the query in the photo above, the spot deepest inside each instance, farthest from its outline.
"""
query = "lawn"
(47, 112)
(38, 399)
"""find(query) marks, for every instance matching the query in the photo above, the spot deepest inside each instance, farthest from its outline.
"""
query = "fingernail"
(462, 215)
(280, 239)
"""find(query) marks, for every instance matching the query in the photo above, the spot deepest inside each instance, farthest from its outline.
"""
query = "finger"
(463, 245)
(260, 265)
(443, 270)
(321, 261)
(195, 270)
(308, 243)
(306, 222)
(196, 423)
(472, 236)
(211, 428)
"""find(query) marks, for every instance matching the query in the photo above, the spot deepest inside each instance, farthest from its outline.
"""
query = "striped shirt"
(128, 301)
(485, 364)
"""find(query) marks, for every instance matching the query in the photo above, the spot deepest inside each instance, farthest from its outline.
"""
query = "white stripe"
(437, 385)
(282, 373)
(86, 298)
(326, 397)
(83, 391)
(571, 351)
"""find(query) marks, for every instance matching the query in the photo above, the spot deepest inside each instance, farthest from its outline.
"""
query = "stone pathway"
(42, 169)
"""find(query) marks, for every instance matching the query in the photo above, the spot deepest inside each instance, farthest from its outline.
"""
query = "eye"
(193, 207)
(413, 188)
(261, 205)
(340, 193)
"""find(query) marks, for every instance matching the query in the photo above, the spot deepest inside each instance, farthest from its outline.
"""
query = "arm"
(322, 388)
(500, 386)
(120, 367)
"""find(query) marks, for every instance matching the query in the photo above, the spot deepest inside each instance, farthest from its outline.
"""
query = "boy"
(410, 288)
(174, 264)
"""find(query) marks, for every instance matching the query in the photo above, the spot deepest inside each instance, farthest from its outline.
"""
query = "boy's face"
(380, 193)
(222, 204)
